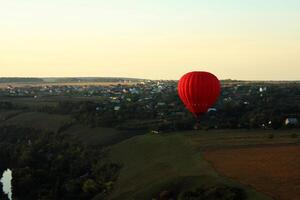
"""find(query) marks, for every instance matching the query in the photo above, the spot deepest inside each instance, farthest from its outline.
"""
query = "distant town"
(138, 103)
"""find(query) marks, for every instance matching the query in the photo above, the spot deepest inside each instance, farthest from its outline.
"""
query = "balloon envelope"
(198, 91)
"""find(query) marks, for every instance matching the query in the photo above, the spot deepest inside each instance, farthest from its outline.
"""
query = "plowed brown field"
(272, 170)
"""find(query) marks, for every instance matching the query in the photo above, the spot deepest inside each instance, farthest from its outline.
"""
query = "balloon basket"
(197, 126)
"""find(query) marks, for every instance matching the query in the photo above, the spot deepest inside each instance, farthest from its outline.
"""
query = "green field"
(98, 136)
(37, 120)
(152, 163)
(6, 114)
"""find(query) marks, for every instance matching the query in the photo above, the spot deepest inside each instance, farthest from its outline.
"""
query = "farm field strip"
(272, 170)
(20, 85)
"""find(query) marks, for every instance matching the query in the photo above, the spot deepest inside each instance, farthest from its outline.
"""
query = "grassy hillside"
(97, 136)
(223, 139)
(152, 163)
(37, 120)
(6, 114)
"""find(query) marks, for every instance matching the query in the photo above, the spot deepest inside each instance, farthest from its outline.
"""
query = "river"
(6, 182)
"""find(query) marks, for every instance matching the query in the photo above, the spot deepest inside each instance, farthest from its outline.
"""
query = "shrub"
(220, 192)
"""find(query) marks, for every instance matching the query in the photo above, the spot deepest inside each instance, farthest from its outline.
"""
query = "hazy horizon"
(236, 39)
(120, 77)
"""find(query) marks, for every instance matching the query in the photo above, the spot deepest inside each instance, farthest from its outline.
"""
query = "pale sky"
(157, 39)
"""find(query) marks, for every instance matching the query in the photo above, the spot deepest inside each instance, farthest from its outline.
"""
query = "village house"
(116, 108)
(291, 121)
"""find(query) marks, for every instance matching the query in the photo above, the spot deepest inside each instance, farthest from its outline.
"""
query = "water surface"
(6, 182)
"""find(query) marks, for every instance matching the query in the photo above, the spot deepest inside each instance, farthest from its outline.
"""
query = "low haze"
(237, 39)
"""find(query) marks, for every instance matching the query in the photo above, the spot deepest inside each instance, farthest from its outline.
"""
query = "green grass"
(40, 121)
(6, 114)
(218, 139)
(152, 163)
(97, 136)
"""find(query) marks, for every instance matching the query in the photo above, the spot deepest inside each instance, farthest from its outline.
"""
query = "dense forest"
(51, 166)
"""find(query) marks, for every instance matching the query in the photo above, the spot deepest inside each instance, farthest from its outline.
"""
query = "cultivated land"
(20, 85)
(272, 170)
(37, 120)
(153, 163)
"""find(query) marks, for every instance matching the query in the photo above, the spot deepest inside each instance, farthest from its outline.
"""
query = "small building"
(155, 131)
(212, 110)
(262, 89)
(291, 121)
(246, 103)
(161, 104)
(116, 108)
(178, 113)
(133, 91)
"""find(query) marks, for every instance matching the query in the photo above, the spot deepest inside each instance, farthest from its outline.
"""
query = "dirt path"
(272, 170)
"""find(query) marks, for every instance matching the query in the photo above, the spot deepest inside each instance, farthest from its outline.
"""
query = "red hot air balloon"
(198, 91)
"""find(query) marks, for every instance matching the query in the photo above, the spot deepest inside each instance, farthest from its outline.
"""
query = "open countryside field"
(98, 136)
(178, 160)
(155, 163)
(38, 120)
(20, 85)
(272, 170)
(231, 139)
